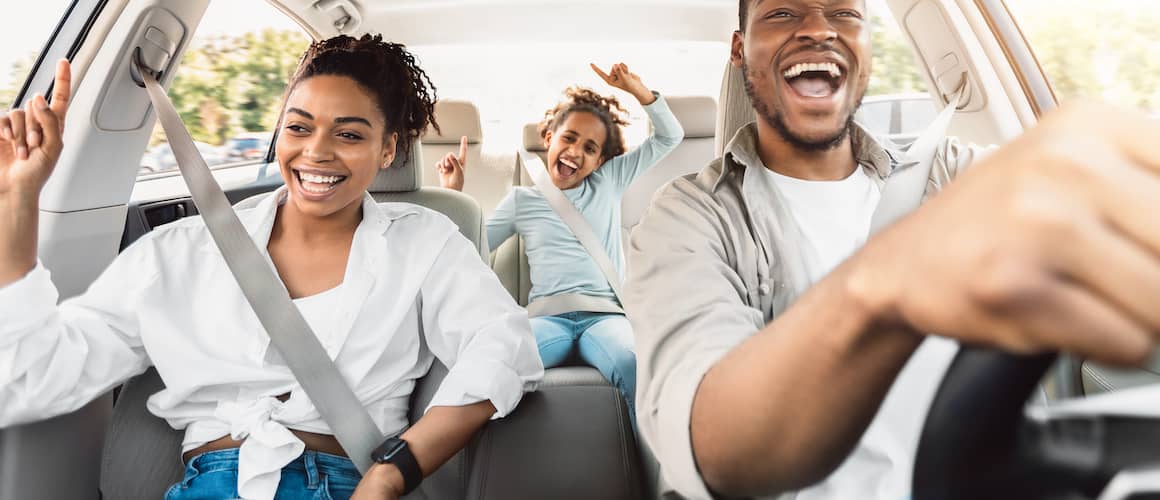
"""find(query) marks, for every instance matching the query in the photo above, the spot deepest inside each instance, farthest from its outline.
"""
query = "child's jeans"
(603, 341)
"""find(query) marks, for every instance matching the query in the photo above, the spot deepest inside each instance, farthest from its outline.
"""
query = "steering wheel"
(977, 443)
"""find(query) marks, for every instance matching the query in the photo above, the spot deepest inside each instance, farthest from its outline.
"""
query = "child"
(587, 161)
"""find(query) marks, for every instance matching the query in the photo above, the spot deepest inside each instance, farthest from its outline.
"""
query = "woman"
(365, 277)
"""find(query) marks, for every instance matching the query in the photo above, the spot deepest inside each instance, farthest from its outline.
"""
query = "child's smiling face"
(574, 148)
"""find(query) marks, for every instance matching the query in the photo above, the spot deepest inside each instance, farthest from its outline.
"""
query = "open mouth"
(318, 184)
(566, 169)
(815, 80)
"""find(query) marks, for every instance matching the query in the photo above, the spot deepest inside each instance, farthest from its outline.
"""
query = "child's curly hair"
(606, 108)
(387, 71)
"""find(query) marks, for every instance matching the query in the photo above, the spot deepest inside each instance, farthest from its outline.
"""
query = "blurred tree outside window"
(1107, 49)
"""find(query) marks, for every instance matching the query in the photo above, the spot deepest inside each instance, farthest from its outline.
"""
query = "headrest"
(735, 110)
(532, 140)
(404, 175)
(456, 119)
(697, 115)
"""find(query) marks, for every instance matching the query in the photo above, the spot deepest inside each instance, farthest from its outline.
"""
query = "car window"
(875, 116)
(896, 101)
(916, 114)
(22, 37)
(1108, 49)
(229, 84)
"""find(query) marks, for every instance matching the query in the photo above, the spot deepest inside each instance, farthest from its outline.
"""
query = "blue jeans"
(312, 476)
(603, 340)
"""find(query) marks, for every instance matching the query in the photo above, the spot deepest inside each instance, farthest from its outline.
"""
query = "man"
(770, 331)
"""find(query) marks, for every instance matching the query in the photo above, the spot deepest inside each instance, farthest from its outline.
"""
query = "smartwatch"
(395, 451)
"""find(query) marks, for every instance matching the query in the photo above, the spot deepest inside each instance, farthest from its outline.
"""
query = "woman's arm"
(30, 144)
(55, 359)
(433, 440)
(484, 338)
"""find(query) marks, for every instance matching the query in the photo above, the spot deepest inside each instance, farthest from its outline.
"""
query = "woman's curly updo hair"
(606, 108)
(385, 70)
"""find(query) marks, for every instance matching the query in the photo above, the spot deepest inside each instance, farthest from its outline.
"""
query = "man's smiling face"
(806, 65)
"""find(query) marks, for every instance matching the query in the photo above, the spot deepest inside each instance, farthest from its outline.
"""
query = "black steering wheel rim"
(977, 443)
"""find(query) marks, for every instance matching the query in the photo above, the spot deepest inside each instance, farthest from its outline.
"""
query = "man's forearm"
(19, 218)
(784, 408)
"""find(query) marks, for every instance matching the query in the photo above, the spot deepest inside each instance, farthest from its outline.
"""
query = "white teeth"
(800, 68)
(569, 164)
(319, 179)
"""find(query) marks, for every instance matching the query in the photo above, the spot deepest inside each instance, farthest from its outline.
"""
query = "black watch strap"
(395, 451)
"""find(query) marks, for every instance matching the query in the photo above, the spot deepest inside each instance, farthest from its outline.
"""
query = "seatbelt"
(583, 232)
(288, 331)
(906, 185)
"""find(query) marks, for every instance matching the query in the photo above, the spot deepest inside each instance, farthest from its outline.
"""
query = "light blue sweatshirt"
(559, 264)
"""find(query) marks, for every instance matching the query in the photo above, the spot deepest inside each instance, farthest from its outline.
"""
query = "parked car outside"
(161, 158)
(247, 147)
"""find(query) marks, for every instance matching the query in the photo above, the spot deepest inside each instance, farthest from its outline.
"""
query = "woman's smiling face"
(332, 144)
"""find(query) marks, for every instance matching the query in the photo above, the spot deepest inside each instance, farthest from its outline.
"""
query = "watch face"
(388, 449)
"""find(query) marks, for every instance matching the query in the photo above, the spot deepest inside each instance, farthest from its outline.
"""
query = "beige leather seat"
(734, 109)
(487, 178)
(698, 116)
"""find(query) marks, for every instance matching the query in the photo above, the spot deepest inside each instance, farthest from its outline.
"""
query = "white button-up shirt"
(170, 301)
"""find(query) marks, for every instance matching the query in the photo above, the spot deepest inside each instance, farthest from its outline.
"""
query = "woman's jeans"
(603, 340)
(312, 476)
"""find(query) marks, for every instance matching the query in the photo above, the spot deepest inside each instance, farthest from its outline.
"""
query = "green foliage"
(16, 76)
(1105, 49)
(232, 84)
(895, 68)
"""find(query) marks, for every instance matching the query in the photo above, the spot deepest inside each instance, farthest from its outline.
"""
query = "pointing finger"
(462, 149)
(600, 72)
(62, 90)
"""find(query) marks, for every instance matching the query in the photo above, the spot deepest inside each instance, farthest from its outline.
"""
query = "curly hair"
(386, 71)
(606, 108)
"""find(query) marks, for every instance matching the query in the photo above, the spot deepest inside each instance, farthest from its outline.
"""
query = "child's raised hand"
(451, 167)
(620, 77)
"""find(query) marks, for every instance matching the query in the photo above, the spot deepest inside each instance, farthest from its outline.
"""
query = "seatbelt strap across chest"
(573, 219)
(906, 185)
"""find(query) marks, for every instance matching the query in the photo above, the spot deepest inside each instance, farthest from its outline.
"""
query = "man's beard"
(776, 120)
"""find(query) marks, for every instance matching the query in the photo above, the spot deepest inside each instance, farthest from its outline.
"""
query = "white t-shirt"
(833, 218)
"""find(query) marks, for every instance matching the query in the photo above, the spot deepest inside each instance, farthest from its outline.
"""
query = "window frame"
(42, 76)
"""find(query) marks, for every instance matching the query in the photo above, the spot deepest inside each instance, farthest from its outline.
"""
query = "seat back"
(698, 116)
(485, 179)
(734, 109)
(510, 260)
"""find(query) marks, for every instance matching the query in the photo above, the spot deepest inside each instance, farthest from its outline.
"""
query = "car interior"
(96, 204)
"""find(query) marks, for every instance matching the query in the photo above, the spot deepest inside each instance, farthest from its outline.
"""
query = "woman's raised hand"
(30, 139)
(451, 167)
(620, 77)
